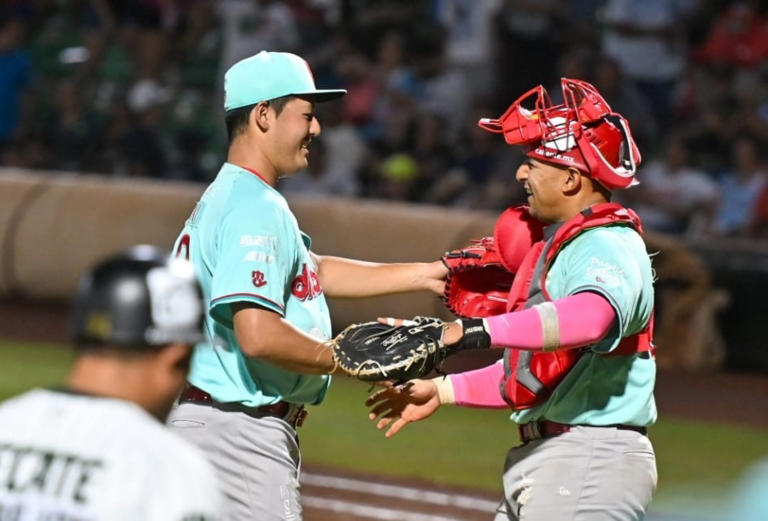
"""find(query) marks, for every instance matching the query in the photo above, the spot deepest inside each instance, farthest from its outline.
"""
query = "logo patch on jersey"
(307, 285)
(605, 273)
(258, 279)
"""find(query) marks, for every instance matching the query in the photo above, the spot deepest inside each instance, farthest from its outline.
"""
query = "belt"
(548, 429)
(292, 413)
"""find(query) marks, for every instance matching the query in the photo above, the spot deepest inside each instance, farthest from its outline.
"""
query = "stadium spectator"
(444, 89)
(740, 188)
(469, 40)
(647, 39)
(480, 178)
(625, 98)
(738, 36)
(759, 225)
(249, 26)
(356, 71)
(433, 154)
(673, 197)
(71, 130)
(147, 95)
(397, 136)
(15, 71)
(709, 135)
(528, 37)
(319, 178)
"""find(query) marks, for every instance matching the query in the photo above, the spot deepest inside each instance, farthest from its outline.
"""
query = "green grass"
(697, 461)
(455, 446)
(24, 365)
(467, 447)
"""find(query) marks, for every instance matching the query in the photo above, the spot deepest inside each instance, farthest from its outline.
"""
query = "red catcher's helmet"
(583, 133)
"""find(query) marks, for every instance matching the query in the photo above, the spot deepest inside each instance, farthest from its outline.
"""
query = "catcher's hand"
(374, 351)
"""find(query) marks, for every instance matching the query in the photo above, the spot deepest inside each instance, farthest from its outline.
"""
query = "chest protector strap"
(532, 376)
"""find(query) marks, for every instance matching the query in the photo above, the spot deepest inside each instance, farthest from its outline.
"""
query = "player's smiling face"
(294, 128)
(543, 182)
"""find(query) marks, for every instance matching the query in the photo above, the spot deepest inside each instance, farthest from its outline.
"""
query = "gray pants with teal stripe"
(587, 474)
(257, 460)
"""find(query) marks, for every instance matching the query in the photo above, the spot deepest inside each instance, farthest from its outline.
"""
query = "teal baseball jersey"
(611, 261)
(246, 246)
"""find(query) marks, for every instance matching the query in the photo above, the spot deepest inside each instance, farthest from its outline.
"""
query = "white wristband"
(444, 390)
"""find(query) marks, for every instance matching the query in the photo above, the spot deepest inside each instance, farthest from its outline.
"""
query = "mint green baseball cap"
(269, 75)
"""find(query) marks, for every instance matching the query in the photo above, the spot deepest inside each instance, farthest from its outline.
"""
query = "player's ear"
(260, 116)
(572, 180)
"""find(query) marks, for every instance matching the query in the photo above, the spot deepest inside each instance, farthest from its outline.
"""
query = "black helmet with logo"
(138, 298)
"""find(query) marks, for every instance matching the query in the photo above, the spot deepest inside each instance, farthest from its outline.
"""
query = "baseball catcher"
(576, 329)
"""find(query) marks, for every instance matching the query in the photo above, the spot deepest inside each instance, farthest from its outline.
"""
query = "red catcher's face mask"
(583, 132)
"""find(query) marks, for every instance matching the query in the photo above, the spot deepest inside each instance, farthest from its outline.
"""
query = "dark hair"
(237, 119)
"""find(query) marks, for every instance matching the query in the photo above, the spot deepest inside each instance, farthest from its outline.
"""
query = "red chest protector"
(532, 376)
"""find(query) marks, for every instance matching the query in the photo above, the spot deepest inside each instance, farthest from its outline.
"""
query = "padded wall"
(54, 227)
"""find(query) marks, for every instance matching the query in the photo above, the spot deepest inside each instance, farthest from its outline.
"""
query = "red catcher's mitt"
(477, 282)
(481, 275)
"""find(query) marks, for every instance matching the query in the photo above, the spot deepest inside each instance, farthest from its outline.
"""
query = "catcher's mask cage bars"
(576, 123)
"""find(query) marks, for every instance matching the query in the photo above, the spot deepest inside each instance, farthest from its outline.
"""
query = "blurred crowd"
(133, 88)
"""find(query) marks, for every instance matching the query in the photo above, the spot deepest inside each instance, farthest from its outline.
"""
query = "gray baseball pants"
(586, 474)
(257, 460)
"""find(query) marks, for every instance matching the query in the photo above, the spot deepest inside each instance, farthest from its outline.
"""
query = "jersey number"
(182, 250)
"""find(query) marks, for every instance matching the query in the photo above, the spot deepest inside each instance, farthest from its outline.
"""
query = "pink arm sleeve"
(583, 318)
(479, 388)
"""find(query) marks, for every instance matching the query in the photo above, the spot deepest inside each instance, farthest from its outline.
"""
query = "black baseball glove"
(373, 351)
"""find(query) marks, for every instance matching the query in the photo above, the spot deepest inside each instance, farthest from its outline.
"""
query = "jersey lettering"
(62, 476)
(307, 285)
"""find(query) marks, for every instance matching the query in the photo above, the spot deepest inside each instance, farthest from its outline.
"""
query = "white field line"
(413, 494)
(368, 511)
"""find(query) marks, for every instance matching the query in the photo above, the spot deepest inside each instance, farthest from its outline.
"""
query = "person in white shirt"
(674, 196)
(95, 449)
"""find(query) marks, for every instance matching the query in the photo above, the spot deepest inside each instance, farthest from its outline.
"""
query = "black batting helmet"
(138, 298)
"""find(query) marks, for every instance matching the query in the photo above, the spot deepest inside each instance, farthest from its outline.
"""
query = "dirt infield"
(329, 495)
